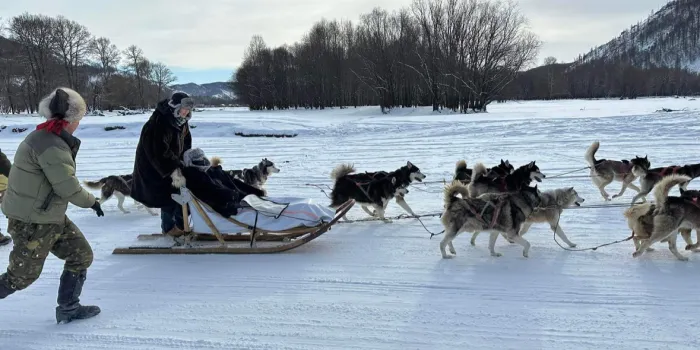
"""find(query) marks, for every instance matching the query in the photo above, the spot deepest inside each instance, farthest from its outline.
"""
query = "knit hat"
(180, 99)
(63, 104)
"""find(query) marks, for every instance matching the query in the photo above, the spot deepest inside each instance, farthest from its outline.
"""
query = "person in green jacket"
(42, 182)
(5, 167)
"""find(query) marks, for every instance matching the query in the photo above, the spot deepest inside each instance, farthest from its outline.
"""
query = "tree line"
(39, 53)
(454, 54)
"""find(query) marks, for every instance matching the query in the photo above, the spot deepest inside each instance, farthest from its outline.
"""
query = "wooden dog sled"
(266, 225)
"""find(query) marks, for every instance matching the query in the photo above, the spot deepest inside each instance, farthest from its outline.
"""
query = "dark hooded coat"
(158, 153)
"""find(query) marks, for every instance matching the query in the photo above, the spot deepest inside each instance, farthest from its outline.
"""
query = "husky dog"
(464, 174)
(404, 175)
(671, 214)
(376, 193)
(520, 178)
(648, 178)
(257, 176)
(119, 186)
(498, 213)
(605, 171)
(552, 204)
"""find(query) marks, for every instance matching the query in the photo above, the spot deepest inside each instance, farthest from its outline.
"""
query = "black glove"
(96, 207)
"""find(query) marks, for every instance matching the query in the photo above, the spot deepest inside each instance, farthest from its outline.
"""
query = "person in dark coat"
(203, 179)
(5, 166)
(158, 165)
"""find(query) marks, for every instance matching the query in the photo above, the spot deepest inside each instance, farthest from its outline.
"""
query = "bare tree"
(161, 76)
(138, 66)
(72, 45)
(550, 61)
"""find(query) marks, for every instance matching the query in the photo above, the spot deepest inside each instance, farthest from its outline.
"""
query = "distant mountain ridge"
(220, 90)
(669, 38)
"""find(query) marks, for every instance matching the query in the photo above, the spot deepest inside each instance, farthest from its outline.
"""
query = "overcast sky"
(204, 40)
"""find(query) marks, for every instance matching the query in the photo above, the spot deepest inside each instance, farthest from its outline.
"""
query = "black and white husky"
(256, 176)
(120, 187)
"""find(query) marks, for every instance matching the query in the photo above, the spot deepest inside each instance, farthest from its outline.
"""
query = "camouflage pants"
(32, 244)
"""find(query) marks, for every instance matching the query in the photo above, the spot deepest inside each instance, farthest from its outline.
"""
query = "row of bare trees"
(454, 54)
(39, 53)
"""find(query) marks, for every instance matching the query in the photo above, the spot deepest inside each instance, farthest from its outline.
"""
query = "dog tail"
(637, 211)
(342, 170)
(478, 171)
(456, 187)
(461, 166)
(216, 161)
(665, 185)
(590, 153)
(95, 185)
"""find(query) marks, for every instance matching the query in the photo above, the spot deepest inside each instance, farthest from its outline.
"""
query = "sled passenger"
(41, 184)
(158, 165)
(5, 167)
(204, 179)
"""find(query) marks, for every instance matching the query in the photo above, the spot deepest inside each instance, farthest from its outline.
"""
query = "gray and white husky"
(552, 204)
(671, 215)
(498, 213)
(256, 176)
(605, 171)
(120, 187)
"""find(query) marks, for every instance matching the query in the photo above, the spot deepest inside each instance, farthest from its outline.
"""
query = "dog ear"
(571, 189)
(393, 181)
(409, 164)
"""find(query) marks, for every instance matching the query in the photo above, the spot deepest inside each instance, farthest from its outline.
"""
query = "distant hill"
(219, 90)
(669, 38)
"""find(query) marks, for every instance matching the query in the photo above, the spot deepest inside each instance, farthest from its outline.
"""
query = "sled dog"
(552, 204)
(120, 187)
(605, 171)
(648, 178)
(404, 175)
(464, 174)
(256, 176)
(520, 178)
(671, 214)
(375, 193)
(497, 213)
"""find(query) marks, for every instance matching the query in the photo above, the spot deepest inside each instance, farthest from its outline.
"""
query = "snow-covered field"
(373, 285)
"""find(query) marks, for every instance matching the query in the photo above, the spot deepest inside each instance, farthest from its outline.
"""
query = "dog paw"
(496, 255)
(472, 243)
(445, 256)
(615, 196)
(572, 245)
(636, 254)
(453, 251)
(691, 246)
(651, 249)
(387, 221)
(526, 255)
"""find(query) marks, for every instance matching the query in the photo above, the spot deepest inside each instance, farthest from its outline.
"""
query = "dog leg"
(380, 213)
(523, 242)
(622, 190)
(402, 203)
(685, 233)
(120, 204)
(634, 187)
(367, 210)
(447, 240)
(694, 246)
(150, 211)
(473, 241)
(560, 232)
(674, 249)
(492, 244)
(661, 232)
(601, 183)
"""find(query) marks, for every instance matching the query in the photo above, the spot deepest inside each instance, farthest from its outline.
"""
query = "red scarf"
(53, 125)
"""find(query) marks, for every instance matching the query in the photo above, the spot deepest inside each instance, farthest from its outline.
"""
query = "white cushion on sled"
(299, 212)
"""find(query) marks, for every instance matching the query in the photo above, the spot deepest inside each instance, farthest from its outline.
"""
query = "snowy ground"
(383, 286)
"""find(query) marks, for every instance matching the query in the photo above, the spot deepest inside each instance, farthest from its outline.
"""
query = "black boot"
(5, 288)
(5, 240)
(69, 290)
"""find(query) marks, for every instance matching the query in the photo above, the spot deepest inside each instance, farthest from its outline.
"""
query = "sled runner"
(274, 225)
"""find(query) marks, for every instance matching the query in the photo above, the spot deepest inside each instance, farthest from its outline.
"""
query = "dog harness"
(674, 169)
(496, 212)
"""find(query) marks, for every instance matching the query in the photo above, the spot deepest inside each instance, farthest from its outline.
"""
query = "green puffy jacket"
(42, 179)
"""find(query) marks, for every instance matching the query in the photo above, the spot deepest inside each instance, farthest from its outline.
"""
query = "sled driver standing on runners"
(42, 182)
(158, 165)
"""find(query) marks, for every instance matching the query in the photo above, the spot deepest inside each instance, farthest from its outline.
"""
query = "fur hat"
(195, 157)
(63, 103)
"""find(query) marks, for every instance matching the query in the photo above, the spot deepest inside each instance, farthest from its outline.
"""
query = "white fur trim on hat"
(76, 105)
